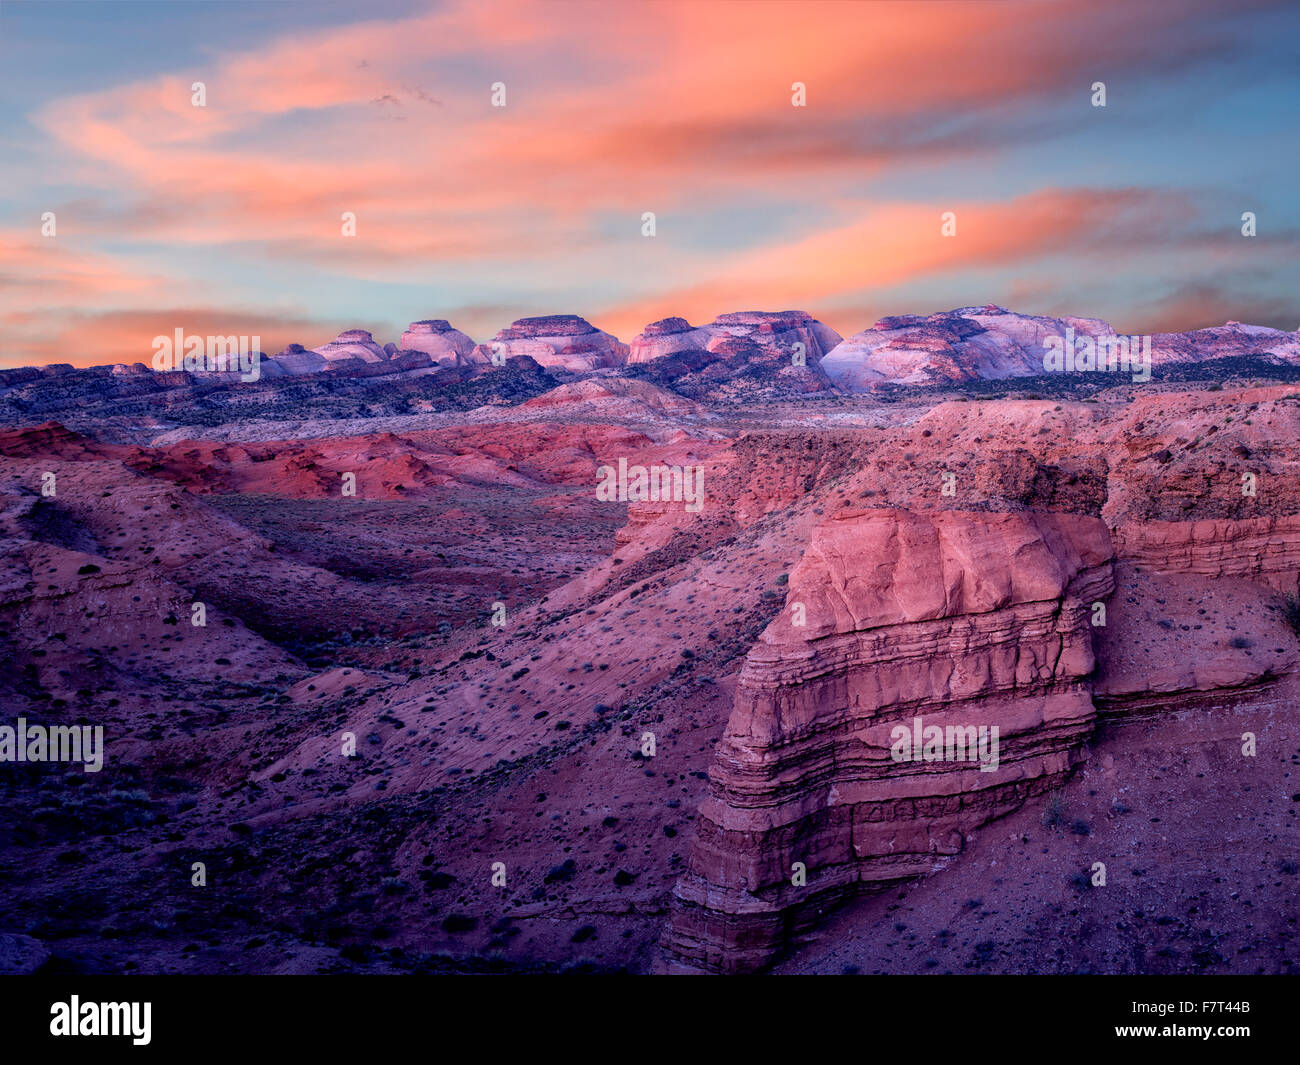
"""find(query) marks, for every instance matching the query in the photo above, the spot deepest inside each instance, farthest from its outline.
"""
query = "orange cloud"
(890, 243)
(38, 268)
(681, 103)
(126, 336)
(612, 110)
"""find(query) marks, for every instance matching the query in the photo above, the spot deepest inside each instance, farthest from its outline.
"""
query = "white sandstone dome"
(437, 339)
(352, 344)
(556, 341)
(773, 332)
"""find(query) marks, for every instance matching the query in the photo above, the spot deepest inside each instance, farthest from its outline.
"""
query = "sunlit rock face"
(443, 344)
(992, 343)
(968, 344)
(556, 341)
(771, 332)
(352, 344)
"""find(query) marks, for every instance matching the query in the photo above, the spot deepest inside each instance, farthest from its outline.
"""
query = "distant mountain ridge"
(736, 357)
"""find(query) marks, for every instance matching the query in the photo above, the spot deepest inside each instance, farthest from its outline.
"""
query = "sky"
(228, 218)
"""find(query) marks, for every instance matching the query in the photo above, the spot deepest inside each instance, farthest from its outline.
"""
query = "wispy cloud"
(681, 108)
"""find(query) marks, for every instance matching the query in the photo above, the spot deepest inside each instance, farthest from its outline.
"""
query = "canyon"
(911, 522)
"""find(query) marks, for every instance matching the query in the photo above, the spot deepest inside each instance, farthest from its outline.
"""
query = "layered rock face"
(352, 344)
(1206, 485)
(968, 344)
(667, 337)
(556, 341)
(965, 620)
(770, 331)
(1257, 549)
(443, 344)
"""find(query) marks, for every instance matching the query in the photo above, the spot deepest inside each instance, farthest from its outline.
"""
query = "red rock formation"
(961, 619)
(1263, 549)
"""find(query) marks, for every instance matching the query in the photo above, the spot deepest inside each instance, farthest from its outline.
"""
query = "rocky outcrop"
(992, 343)
(352, 344)
(555, 341)
(736, 357)
(966, 621)
(1259, 549)
(443, 344)
(967, 344)
(1229, 630)
(667, 337)
(778, 331)
(771, 332)
(295, 359)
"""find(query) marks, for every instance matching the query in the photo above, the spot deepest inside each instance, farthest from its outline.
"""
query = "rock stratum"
(966, 621)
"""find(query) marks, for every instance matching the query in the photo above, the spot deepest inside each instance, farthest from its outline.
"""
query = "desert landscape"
(647, 489)
(473, 717)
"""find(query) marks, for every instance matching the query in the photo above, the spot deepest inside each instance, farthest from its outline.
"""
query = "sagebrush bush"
(1291, 611)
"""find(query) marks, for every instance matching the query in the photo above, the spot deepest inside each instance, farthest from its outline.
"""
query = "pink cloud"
(613, 110)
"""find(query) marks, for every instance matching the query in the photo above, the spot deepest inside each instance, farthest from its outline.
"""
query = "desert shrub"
(1291, 612)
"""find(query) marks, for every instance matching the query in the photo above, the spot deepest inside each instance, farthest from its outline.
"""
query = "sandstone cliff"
(960, 619)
